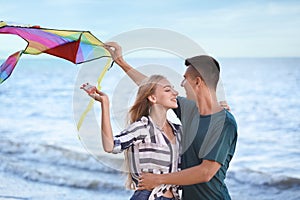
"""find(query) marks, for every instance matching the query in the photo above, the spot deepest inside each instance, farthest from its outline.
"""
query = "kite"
(74, 46)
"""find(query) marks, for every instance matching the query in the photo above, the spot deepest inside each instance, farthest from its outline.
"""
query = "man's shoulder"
(186, 108)
(230, 119)
(183, 101)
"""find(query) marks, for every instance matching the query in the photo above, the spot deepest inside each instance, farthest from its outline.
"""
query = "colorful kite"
(75, 46)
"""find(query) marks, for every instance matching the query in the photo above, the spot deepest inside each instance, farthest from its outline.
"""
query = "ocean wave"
(11, 197)
(56, 165)
(260, 178)
(51, 154)
(62, 176)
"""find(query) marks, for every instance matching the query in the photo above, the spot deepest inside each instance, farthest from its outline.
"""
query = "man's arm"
(116, 52)
(197, 174)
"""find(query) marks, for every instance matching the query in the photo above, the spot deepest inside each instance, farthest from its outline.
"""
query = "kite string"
(91, 103)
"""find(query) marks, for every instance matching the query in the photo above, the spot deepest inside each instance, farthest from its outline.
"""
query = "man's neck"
(208, 104)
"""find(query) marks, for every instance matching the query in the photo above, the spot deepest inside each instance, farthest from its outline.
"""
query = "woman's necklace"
(165, 128)
(160, 126)
(168, 132)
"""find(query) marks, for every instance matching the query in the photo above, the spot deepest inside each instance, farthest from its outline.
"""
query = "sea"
(44, 156)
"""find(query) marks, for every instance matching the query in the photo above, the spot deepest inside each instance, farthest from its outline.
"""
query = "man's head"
(201, 69)
(205, 67)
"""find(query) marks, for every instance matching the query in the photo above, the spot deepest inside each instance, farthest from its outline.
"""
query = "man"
(209, 131)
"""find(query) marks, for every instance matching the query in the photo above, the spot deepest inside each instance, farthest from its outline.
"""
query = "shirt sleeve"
(225, 146)
(177, 110)
(133, 134)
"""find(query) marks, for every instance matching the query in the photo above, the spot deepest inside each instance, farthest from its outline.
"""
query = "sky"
(256, 28)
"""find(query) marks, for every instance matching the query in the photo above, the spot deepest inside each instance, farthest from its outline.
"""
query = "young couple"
(154, 146)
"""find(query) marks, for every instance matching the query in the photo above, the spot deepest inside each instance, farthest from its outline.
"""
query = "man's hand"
(224, 105)
(115, 51)
(148, 181)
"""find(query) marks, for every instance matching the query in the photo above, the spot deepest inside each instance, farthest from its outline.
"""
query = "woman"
(150, 142)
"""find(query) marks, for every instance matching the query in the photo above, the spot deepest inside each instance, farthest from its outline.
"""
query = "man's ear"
(152, 98)
(198, 81)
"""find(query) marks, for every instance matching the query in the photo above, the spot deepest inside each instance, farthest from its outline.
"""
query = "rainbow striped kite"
(75, 46)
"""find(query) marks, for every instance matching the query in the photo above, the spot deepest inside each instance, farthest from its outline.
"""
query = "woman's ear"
(152, 98)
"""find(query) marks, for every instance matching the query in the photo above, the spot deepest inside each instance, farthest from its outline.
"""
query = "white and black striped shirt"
(149, 150)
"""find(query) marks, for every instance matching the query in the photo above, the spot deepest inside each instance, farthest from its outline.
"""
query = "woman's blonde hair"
(141, 107)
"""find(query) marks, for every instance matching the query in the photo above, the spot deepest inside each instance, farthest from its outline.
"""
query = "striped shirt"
(149, 150)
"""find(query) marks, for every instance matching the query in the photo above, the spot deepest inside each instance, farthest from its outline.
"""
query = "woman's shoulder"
(137, 126)
(143, 121)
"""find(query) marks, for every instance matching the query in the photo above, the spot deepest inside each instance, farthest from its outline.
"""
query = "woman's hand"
(100, 96)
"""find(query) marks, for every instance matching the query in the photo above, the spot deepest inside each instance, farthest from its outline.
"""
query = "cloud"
(216, 22)
(241, 28)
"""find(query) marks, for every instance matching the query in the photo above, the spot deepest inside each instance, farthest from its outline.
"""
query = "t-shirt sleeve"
(185, 106)
(177, 110)
(133, 134)
(225, 146)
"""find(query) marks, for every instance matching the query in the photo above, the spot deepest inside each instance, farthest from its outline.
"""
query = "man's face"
(188, 83)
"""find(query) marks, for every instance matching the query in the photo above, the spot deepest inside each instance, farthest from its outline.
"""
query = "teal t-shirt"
(209, 137)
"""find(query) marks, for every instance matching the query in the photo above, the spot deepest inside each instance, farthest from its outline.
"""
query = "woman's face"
(165, 94)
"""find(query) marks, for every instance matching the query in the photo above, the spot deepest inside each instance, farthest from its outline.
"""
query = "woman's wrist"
(104, 103)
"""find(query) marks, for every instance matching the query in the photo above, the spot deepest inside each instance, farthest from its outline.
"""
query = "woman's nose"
(175, 92)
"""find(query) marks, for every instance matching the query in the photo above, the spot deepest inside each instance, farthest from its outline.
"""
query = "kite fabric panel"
(74, 46)
(8, 66)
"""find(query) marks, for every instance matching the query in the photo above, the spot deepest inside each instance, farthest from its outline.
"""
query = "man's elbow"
(207, 177)
(203, 178)
(209, 169)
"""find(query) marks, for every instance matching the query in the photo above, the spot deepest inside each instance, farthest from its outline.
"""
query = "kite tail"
(91, 103)
(8, 66)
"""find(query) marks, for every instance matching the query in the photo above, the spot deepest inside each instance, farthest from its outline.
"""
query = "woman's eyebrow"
(168, 86)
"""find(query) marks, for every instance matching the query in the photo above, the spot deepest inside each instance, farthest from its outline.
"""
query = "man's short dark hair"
(207, 68)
